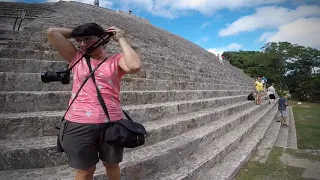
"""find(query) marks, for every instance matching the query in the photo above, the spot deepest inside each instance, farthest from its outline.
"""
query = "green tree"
(289, 66)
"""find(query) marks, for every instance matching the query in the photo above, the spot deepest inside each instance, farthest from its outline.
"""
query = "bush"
(282, 93)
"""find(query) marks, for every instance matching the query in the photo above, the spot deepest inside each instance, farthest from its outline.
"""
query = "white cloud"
(172, 9)
(303, 31)
(218, 16)
(102, 3)
(234, 46)
(203, 39)
(175, 8)
(230, 47)
(266, 35)
(269, 17)
(206, 24)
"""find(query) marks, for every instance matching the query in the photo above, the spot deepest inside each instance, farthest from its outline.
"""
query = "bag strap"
(103, 105)
(83, 83)
(100, 98)
(103, 40)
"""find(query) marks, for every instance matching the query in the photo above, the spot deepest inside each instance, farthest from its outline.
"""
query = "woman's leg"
(260, 98)
(85, 174)
(78, 142)
(113, 171)
(111, 156)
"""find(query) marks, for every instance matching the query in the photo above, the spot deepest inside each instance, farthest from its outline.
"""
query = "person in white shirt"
(96, 2)
(271, 92)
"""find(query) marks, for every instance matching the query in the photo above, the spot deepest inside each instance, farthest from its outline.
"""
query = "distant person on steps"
(258, 86)
(282, 107)
(96, 2)
(271, 92)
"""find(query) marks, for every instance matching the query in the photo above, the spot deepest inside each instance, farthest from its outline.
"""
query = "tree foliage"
(289, 66)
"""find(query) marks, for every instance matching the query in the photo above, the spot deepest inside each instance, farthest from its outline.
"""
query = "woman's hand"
(117, 33)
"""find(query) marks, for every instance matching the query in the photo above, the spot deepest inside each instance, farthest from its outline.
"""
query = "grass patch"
(307, 120)
(273, 169)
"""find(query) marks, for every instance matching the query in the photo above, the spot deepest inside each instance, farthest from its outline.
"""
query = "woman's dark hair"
(88, 29)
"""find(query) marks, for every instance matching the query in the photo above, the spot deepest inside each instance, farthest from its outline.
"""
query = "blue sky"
(222, 25)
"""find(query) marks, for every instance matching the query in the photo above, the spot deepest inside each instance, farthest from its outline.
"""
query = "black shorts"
(271, 96)
(84, 145)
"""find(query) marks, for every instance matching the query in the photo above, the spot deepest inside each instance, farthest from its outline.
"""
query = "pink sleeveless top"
(86, 108)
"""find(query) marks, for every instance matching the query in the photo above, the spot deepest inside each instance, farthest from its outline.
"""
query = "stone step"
(146, 54)
(15, 79)
(32, 82)
(171, 59)
(7, 37)
(18, 13)
(8, 32)
(38, 124)
(3, 42)
(231, 164)
(22, 36)
(292, 134)
(212, 148)
(27, 45)
(153, 158)
(150, 84)
(42, 55)
(14, 152)
(19, 10)
(29, 82)
(29, 54)
(13, 16)
(36, 66)
(29, 65)
(23, 5)
(48, 55)
(181, 58)
(282, 139)
(15, 11)
(266, 145)
(30, 101)
(16, 53)
(19, 5)
(58, 101)
(15, 34)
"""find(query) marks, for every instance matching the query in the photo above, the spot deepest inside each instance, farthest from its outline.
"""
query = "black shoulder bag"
(122, 133)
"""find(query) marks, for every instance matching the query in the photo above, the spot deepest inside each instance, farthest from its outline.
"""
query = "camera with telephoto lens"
(64, 75)
(51, 76)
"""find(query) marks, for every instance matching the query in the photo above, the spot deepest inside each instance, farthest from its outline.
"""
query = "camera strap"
(103, 40)
(100, 98)
(83, 83)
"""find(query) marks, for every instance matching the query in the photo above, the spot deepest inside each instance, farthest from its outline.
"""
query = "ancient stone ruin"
(200, 124)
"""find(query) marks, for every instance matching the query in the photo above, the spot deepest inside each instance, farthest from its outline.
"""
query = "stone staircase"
(287, 137)
(195, 110)
(8, 18)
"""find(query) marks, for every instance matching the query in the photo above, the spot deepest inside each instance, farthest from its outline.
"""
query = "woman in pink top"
(82, 131)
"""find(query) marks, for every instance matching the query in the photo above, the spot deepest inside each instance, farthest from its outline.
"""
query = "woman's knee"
(111, 166)
(86, 172)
